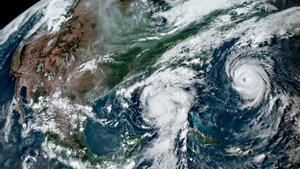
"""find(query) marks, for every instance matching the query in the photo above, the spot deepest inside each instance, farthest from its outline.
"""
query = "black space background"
(10, 9)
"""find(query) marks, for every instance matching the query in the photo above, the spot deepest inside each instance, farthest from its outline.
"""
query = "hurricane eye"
(250, 78)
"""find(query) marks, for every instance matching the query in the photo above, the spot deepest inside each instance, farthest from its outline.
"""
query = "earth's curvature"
(158, 84)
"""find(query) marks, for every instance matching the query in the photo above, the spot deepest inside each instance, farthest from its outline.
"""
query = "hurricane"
(158, 84)
(251, 77)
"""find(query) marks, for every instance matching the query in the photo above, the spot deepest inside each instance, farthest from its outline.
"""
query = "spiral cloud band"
(250, 76)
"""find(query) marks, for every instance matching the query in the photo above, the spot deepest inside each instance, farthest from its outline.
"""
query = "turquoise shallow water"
(211, 88)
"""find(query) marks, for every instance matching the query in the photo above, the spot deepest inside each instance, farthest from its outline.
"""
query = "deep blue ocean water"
(215, 113)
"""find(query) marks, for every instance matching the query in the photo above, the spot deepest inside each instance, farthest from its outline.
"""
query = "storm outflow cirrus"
(159, 84)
